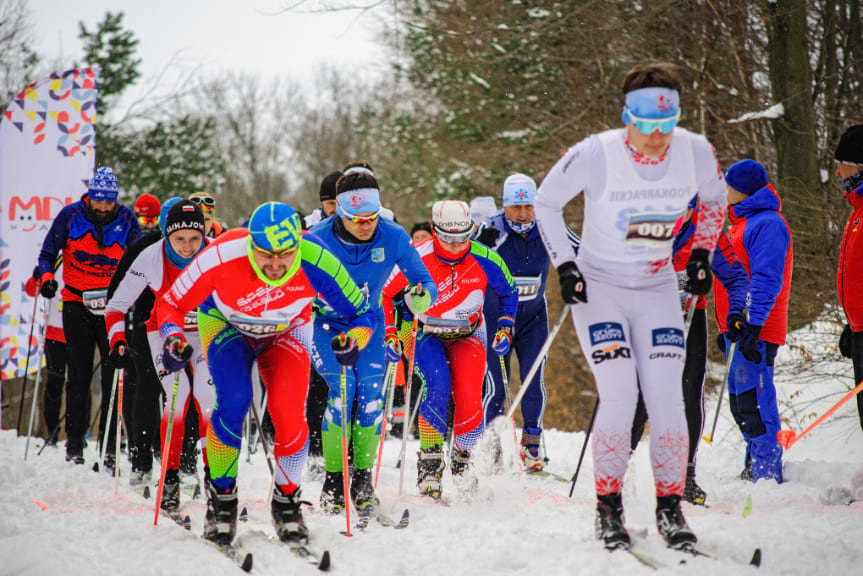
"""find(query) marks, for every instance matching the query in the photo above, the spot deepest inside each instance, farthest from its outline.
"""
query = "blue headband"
(353, 202)
(650, 103)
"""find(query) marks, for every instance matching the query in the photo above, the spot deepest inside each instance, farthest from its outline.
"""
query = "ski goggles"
(648, 126)
(148, 220)
(361, 219)
(453, 237)
(204, 201)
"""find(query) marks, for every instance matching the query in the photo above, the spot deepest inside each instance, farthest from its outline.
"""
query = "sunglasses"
(204, 201)
(457, 238)
(363, 219)
(272, 253)
(648, 126)
(148, 220)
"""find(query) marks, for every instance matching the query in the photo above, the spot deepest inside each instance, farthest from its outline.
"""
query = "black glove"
(49, 288)
(737, 326)
(720, 342)
(489, 236)
(346, 349)
(749, 344)
(36, 274)
(845, 341)
(572, 286)
(698, 272)
(119, 356)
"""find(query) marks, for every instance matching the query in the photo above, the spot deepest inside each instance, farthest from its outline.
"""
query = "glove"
(392, 346)
(176, 353)
(118, 358)
(49, 285)
(845, 341)
(698, 272)
(418, 300)
(720, 342)
(572, 286)
(489, 236)
(737, 326)
(502, 341)
(346, 349)
(749, 344)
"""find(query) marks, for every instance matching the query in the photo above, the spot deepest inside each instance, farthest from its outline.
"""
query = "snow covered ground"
(56, 518)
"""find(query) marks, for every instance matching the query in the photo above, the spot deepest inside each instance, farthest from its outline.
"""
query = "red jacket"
(849, 275)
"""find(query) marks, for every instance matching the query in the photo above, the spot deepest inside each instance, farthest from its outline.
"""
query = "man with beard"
(92, 235)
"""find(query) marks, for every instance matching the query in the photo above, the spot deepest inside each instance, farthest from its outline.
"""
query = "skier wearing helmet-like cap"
(254, 288)
(450, 350)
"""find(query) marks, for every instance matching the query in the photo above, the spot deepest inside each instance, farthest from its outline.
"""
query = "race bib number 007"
(652, 229)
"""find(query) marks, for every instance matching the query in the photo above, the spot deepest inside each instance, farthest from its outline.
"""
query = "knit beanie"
(850, 147)
(104, 187)
(147, 205)
(184, 215)
(746, 176)
(328, 186)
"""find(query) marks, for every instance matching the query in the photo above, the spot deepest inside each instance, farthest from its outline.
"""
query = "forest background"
(479, 89)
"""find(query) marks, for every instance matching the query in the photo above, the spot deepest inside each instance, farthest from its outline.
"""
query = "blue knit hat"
(104, 187)
(746, 176)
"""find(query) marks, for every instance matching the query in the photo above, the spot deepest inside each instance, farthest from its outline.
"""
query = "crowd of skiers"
(327, 310)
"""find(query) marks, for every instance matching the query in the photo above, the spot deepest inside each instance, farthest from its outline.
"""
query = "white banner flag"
(47, 154)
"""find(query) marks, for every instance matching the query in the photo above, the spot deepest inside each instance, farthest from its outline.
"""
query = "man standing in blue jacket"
(369, 248)
(761, 241)
(92, 234)
(512, 233)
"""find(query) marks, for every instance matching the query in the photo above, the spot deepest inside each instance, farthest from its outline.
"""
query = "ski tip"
(247, 563)
(244, 514)
(324, 564)
(187, 522)
(96, 467)
(756, 558)
(146, 493)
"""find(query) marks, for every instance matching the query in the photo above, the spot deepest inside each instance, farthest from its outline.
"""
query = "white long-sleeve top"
(632, 210)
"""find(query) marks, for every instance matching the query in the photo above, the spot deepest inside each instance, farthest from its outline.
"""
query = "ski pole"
(166, 447)
(118, 432)
(787, 438)
(343, 392)
(407, 420)
(584, 447)
(260, 422)
(39, 356)
(27, 364)
(412, 419)
(102, 450)
(508, 399)
(709, 437)
(692, 304)
(388, 392)
(52, 435)
(540, 358)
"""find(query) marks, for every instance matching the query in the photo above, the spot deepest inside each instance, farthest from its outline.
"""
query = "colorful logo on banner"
(70, 103)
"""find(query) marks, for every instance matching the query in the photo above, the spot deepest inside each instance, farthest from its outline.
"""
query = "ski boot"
(609, 522)
(430, 468)
(287, 516)
(171, 491)
(140, 478)
(530, 455)
(693, 493)
(333, 493)
(363, 491)
(462, 472)
(109, 464)
(220, 524)
(671, 523)
(74, 454)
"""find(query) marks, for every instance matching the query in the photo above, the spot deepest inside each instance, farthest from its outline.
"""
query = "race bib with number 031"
(95, 300)
(652, 229)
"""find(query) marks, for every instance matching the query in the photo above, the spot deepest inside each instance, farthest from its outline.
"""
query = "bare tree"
(17, 60)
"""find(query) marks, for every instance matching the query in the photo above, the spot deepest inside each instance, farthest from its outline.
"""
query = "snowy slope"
(58, 518)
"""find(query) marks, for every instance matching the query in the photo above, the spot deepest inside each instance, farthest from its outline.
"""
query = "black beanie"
(850, 147)
(184, 215)
(328, 186)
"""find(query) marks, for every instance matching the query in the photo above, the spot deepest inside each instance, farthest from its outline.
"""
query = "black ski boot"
(171, 491)
(109, 464)
(287, 516)
(430, 468)
(333, 493)
(220, 524)
(363, 491)
(671, 523)
(74, 453)
(609, 523)
(693, 493)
